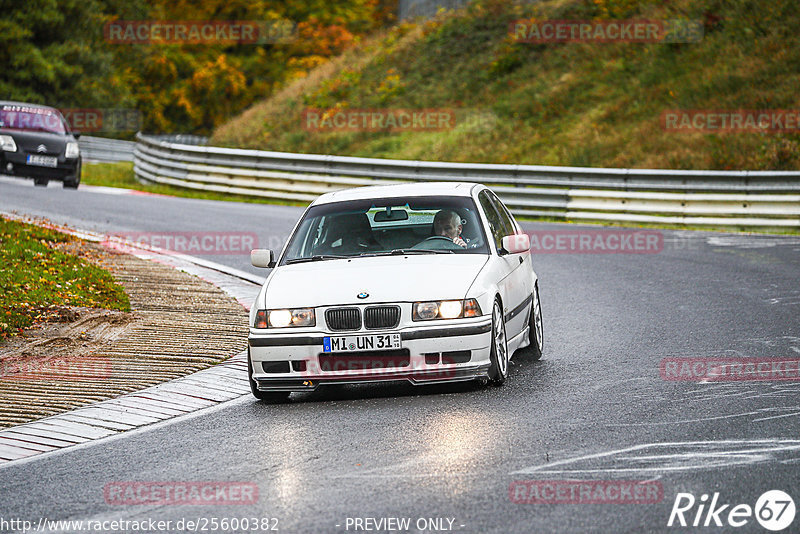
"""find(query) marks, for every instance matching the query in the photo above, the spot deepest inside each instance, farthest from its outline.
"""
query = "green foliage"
(49, 52)
(39, 277)
(54, 52)
(587, 104)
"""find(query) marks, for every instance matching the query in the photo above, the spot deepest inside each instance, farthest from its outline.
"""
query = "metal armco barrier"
(717, 198)
(104, 149)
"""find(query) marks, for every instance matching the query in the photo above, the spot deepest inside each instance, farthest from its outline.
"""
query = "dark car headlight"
(7, 143)
(72, 150)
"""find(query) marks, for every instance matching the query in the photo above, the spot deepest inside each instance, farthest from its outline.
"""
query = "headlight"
(445, 309)
(7, 143)
(285, 318)
(72, 150)
(425, 311)
(450, 309)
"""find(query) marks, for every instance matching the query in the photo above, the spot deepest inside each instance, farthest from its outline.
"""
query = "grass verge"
(41, 278)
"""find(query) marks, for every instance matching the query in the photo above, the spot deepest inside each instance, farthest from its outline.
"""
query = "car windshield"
(379, 227)
(30, 118)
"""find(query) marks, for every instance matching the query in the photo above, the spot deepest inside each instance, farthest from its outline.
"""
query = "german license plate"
(360, 343)
(42, 161)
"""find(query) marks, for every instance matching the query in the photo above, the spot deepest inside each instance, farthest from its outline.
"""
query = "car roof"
(453, 189)
(13, 103)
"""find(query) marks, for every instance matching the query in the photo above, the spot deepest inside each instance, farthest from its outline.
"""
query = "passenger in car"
(351, 233)
(447, 223)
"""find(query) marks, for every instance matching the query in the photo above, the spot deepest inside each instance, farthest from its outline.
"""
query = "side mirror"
(261, 257)
(76, 135)
(516, 243)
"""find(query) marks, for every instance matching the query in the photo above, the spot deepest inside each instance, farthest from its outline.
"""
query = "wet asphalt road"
(595, 408)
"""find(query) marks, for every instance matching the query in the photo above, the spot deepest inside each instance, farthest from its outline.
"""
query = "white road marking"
(752, 241)
(776, 417)
(698, 420)
(679, 456)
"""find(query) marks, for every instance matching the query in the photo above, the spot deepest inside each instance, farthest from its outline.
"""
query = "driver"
(447, 223)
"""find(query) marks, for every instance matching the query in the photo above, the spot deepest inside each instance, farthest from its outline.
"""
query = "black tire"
(72, 183)
(271, 397)
(498, 356)
(41, 182)
(535, 335)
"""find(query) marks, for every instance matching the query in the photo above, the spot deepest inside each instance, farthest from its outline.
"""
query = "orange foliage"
(316, 38)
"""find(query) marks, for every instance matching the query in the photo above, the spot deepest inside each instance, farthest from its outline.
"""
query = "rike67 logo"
(774, 510)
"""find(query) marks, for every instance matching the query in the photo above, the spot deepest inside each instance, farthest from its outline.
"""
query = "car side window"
(509, 227)
(493, 217)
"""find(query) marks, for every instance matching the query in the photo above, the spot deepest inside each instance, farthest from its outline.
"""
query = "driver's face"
(450, 229)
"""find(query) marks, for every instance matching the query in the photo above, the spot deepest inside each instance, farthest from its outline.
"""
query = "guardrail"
(182, 139)
(717, 198)
(104, 149)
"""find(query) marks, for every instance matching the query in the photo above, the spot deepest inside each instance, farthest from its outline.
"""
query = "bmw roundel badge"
(363, 295)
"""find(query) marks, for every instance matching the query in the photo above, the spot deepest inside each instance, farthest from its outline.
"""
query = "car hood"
(385, 278)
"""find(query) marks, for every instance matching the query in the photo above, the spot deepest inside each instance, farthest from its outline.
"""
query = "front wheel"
(498, 356)
(273, 397)
(72, 183)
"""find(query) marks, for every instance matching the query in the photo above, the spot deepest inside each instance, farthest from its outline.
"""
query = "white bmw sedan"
(424, 283)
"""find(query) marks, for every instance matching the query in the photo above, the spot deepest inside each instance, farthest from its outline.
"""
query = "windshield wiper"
(317, 257)
(404, 251)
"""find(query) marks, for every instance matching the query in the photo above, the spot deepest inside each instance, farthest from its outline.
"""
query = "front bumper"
(14, 164)
(429, 354)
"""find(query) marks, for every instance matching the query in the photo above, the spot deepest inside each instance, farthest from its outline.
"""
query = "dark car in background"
(36, 142)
